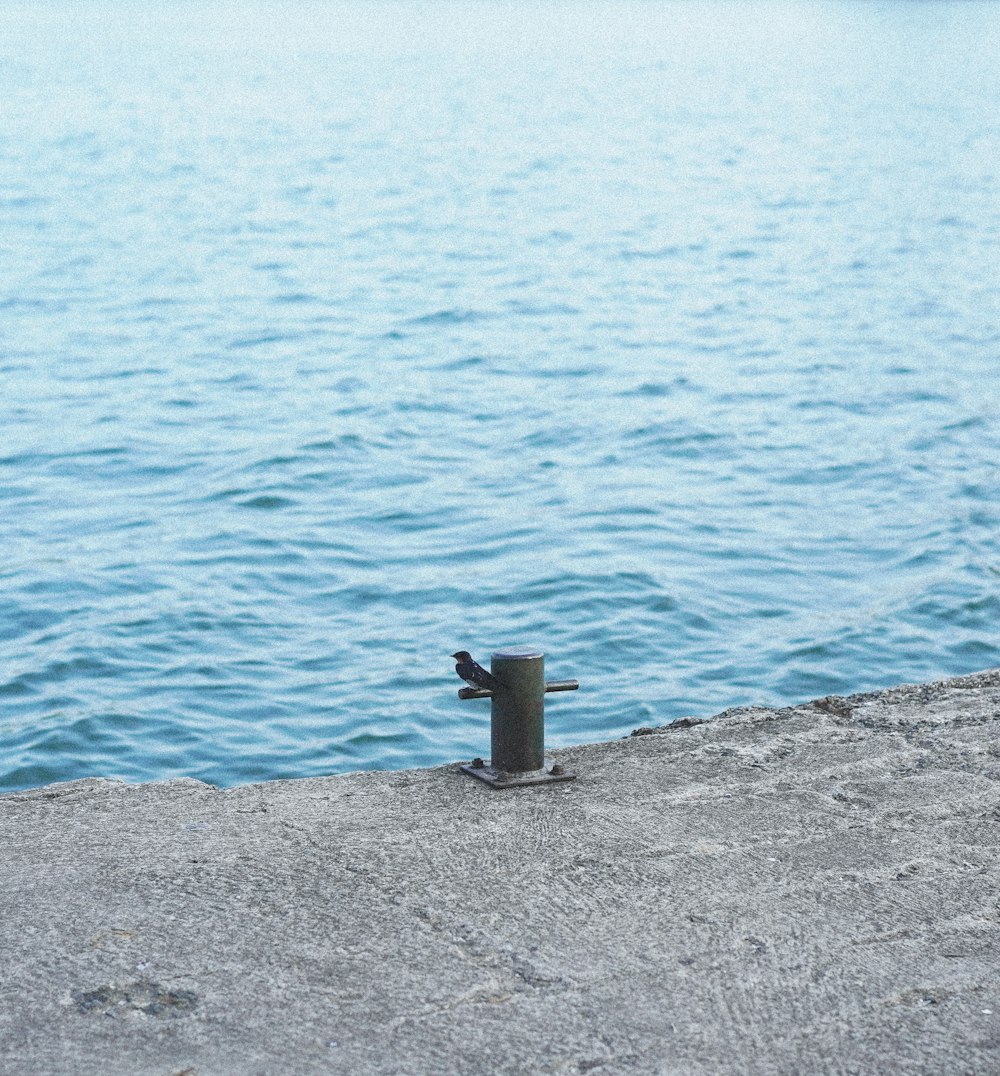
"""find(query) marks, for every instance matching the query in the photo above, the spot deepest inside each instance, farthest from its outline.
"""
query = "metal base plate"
(500, 779)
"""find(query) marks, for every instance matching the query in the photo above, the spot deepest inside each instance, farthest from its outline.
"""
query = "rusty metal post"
(517, 721)
(517, 714)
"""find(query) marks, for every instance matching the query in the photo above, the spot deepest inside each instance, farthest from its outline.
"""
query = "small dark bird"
(473, 673)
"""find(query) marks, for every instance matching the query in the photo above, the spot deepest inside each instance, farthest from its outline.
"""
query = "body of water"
(335, 337)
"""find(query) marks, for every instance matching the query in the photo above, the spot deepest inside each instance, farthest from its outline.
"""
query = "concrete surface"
(804, 890)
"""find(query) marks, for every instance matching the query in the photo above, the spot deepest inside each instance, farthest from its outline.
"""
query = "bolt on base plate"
(549, 774)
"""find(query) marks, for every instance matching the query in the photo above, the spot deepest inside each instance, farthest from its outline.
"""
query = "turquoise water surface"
(335, 337)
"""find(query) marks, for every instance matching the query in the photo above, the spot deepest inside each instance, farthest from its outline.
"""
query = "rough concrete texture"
(804, 890)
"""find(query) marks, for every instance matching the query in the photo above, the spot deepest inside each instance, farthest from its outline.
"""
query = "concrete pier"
(805, 890)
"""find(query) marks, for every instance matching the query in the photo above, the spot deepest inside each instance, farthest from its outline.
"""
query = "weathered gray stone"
(811, 889)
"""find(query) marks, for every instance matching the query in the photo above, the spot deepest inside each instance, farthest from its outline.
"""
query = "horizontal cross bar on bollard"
(517, 721)
(550, 685)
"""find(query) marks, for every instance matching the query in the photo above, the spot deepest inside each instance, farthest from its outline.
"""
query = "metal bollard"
(517, 721)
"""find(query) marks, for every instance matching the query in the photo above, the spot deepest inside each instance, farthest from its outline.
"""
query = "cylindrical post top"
(517, 653)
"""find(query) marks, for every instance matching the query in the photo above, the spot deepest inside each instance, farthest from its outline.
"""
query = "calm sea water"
(335, 337)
